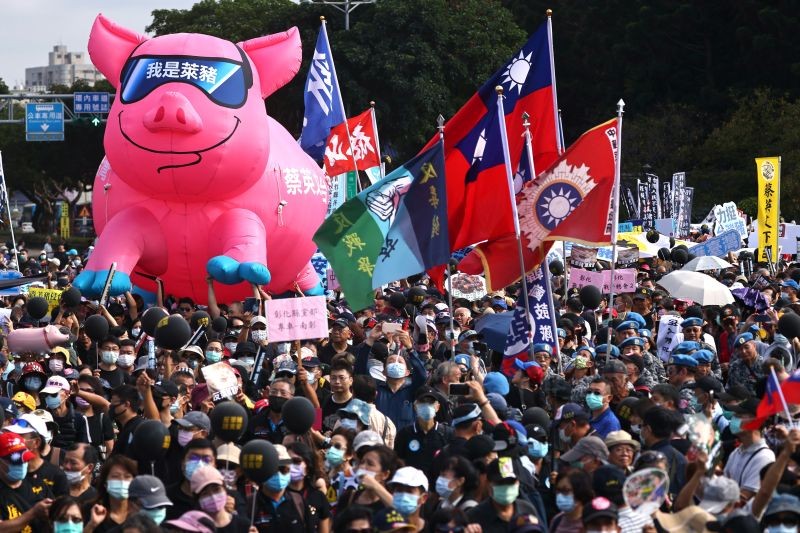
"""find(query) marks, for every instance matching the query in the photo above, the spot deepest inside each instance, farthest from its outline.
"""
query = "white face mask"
(231, 346)
(135, 332)
(126, 360)
(109, 357)
(56, 365)
(258, 335)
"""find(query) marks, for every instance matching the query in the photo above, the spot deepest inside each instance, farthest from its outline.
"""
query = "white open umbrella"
(706, 262)
(697, 287)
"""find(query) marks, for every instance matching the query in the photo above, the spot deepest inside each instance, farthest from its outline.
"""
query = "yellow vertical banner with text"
(768, 171)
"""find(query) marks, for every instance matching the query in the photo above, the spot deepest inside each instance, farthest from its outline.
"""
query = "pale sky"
(30, 28)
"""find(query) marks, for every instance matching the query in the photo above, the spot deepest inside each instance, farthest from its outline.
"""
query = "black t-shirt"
(15, 502)
(89, 496)
(115, 377)
(330, 408)
(101, 428)
(419, 449)
(181, 502)
(316, 506)
(288, 517)
(239, 524)
(529, 398)
(326, 354)
(48, 478)
(126, 435)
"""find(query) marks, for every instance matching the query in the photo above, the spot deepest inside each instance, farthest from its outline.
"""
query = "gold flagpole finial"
(372, 103)
(498, 89)
(322, 18)
(549, 12)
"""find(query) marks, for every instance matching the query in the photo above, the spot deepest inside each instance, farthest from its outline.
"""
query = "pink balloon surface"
(192, 173)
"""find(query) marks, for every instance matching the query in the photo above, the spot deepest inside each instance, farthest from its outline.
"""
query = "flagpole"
(450, 268)
(556, 114)
(789, 418)
(377, 137)
(615, 218)
(560, 128)
(8, 209)
(341, 103)
(501, 116)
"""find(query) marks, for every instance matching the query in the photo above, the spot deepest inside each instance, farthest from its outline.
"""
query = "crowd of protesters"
(420, 428)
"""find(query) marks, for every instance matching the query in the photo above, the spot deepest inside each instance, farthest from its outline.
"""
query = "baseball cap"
(426, 393)
(467, 334)
(258, 320)
(29, 423)
(389, 519)
(599, 507)
(367, 438)
(340, 323)
(571, 411)
(718, 493)
(13, 448)
(466, 412)
(283, 455)
(196, 521)
(33, 368)
(734, 393)
(286, 366)
(498, 403)
(195, 419)
(703, 357)
(410, 477)
(228, 453)
(590, 445)
(790, 283)
(632, 341)
(150, 491)
(531, 368)
(612, 350)
(542, 347)
(692, 322)
(478, 447)
(742, 339)
(607, 481)
(496, 382)
(628, 324)
(195, 350)
(204, 477)
(501, 470)
(504, 436)
(643, 292)
(55, 384)
(358, 408)
(25, 399)
(783, 503)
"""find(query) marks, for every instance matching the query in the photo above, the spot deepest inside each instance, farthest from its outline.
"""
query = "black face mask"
(276, 403)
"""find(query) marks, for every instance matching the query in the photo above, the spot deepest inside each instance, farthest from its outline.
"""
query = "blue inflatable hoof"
(119, 285)
(255, 273)
(316, 290)
(224, 269)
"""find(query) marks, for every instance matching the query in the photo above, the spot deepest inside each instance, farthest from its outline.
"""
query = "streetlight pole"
(345, 6)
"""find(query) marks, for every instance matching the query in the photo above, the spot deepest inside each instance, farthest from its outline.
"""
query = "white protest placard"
(333, 283)
(727, 218)
(221, 381)
(581, 278)
(292, 319)
(669, 335)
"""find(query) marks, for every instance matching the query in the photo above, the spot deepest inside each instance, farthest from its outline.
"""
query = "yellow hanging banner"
(768, 171)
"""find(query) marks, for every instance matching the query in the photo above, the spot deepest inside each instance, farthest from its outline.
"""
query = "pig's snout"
(173, 112)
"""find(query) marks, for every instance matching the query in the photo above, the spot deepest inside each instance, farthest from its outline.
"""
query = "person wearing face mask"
(32, 380)
(268, 423)
(658, 425)
(21, 508)
(72, 425)
(127, 356)
(598, 398)
(58, 360)
(109, 355)
(573, 489)
(395, 396)
(124, 408)
(745, 462)
(355, 416)
(94, 407)
(418, 444)
(304, 474)
(409, 488)
(146, 495)
(78, 465)
(258, 331)
(277, 509)
(573, 424)
(113, 485)
(43, 476)
(209, 490)
(457, 485)
(198, 454)
(194, 425)
(376, 465)
(229, 343)
(66, 516)
(495, 513)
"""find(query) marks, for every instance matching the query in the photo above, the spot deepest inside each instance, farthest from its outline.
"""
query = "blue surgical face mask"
(17, 472)
(191, 467)
(52, 402)
(594, 401)
(334, 456)
(781, 528)
(67, 527)
(727, 414)
(348, 423)
(565, 502)
(443, 487)
(405, 502)
(396, 370)
(118, 488)
(158, 515)
(213, 357)
(426, 411)
(537, 449)
(33, 383)
(278, 482)
(173, 407)
(735, 425)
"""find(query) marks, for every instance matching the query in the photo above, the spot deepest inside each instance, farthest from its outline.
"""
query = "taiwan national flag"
(791, 388)
(477, 190)
(361, 150)
(770, 404)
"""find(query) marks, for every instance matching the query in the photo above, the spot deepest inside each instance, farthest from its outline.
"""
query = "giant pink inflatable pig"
(196, 176)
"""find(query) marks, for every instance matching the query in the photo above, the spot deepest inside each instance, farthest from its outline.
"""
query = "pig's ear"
(110, 45)
(276, 57)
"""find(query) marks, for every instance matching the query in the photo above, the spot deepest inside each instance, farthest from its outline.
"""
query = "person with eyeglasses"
(186, 307)
(198, 453)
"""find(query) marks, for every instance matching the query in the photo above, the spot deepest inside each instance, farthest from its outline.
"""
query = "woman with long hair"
(457, 484)
(112, 486)
(375, 469)
(305, 473)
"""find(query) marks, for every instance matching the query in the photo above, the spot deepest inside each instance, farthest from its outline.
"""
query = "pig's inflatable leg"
(309, 282)
(131, 237)
(239, 245)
